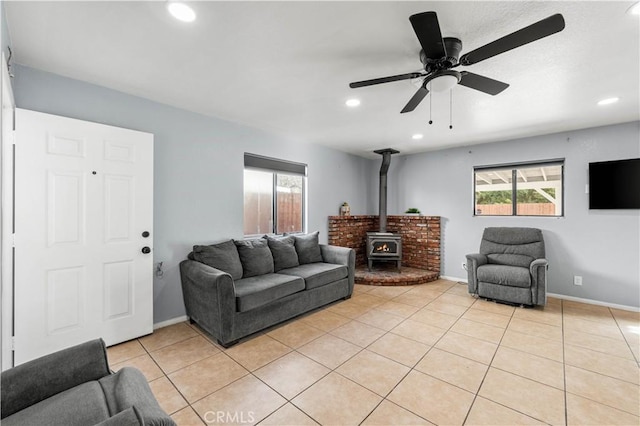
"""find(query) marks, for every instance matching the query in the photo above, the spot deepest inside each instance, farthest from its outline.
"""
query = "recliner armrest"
(37, 380)
(537, 263)
(473, 261)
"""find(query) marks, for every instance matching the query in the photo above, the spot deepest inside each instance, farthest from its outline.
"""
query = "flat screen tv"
(614, 184)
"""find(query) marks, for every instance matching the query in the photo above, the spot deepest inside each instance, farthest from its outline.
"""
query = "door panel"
(83, 198)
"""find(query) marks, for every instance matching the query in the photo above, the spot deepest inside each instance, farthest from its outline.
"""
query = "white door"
(83, 232)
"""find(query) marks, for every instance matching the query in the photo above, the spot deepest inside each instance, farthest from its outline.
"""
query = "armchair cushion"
(515, 276)
(223, 256)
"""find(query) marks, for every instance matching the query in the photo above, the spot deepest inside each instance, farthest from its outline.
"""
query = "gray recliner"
(511, 266)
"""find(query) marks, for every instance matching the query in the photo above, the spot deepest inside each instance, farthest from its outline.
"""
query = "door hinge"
(13, 240)
(13, 137)
(13, 343)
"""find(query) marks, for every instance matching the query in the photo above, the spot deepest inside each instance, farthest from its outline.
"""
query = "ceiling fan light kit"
(440, 55)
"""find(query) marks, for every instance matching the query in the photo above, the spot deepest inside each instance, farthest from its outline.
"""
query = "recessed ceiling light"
(181, 11)
(352, 102)
(608, 101)
(634, 9)
(417, 136)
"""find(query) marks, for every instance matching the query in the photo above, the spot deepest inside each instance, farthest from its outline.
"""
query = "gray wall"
(601, 246)
(198, 161)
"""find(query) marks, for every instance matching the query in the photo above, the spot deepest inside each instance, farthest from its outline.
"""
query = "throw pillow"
(283, 251)
(255, 257)
(222, 256)
(308, 248)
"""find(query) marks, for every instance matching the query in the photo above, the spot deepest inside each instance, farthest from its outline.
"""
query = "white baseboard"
(594, 302)
(172, 321)
(445, 277)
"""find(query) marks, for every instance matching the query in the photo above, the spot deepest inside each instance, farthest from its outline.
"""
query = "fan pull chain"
(430, 99)
(451, 109)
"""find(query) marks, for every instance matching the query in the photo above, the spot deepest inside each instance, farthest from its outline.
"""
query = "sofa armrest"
(538, 269)
(37, 380)
(209, 297)
(341, 256)
(474, 260)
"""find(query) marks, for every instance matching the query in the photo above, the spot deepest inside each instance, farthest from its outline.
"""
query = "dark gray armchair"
(75, 387)
(511, 266)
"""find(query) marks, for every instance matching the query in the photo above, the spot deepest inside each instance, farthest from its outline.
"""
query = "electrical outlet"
(577, 280)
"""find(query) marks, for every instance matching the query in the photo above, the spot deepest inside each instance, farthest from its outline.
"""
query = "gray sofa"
(75, 387)
(511, 266)
(235, 288)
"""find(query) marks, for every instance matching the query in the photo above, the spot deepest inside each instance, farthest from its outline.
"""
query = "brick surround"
(420, 237)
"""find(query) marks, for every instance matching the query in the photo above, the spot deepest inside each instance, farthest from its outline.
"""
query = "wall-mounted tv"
(614, 184)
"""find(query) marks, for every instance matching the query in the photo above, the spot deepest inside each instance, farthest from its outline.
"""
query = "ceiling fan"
(440, 55)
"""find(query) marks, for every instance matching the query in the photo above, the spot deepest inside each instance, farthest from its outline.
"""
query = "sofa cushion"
(222, 256)
(81, 405)
(308, 248)
(283, 251)
(514, 276)
(255, 257)
(258, 291)
(317, 274)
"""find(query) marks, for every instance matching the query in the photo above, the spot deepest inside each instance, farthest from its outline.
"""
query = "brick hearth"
(420, 239)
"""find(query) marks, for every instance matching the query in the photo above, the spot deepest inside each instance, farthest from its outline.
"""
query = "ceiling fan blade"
(389, 79)
(427, 29)
(415, 100)
(533, 32)
(481, 83)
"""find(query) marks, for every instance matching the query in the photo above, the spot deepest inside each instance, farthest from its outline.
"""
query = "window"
(525, 189)
(274, 201)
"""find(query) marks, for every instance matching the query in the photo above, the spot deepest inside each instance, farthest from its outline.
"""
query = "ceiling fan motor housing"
(452, 47)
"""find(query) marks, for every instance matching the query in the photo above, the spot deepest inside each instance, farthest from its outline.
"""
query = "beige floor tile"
(166, 336)
(361, 288)
(432, 399)
(388, 413)
(601, 315)
(454, 369)
(526, 396)
(143, 363)
(603, 389)
(441, 285)
(245, 401)
(621, 315)
(468, 347)
(257, 352)
(633, 341)
(295, 334)
(335, 400)
(380, 319)
(389, 292)
(399, 309)
(434, 318)
(569, 305)
(373, 371)
(546, 348)
(423, 292)
(291, 374)
(358, 333)
(124, 351)
(187, 417)
(494, 307)
(533, 367)
(465, 300)
(582, 411)
(288, 415)
(488, 413)
(446, 308)
(418, 331)
(167, 395)
(349, 309)
(178, 355)
(479, 330)
(550, 315)
(598, 343)
(325, 320)
(589, 327)
(412, 299)
(488, 318)
(460, 289)
(368, 300)
(400, 349)
(608, 365)
(206, 376)
(536, 329)
(329, 350)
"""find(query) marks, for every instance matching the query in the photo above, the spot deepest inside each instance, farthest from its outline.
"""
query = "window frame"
(277, 167)
(513, 168)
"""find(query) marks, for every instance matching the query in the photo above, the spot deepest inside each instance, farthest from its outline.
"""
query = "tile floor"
(418, 355)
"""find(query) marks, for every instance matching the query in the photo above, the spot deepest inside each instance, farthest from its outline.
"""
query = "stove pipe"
(382, 210)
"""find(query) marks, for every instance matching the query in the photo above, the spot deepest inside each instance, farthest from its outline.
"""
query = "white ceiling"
(285, 66)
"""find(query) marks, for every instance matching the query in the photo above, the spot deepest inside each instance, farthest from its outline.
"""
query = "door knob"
(146, 250)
